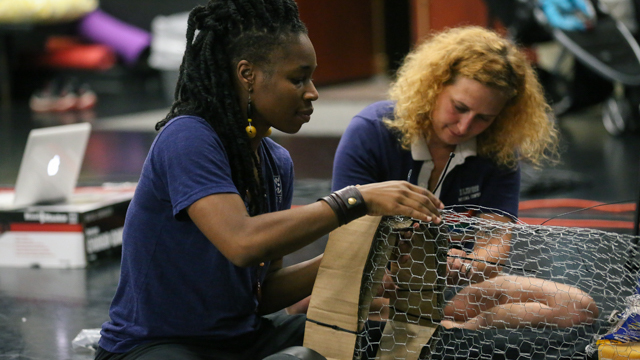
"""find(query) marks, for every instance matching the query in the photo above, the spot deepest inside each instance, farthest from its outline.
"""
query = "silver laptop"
(50, 166)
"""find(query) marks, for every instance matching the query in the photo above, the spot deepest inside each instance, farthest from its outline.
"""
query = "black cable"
(444, 172)
(587, 208)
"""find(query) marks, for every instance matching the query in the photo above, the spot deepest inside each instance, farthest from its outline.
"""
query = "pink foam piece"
(127, 40)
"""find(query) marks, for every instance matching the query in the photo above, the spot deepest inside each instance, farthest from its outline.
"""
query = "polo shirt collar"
(420, 150)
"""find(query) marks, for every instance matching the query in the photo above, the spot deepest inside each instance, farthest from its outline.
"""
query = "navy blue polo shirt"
(369, 152)
(174, 282)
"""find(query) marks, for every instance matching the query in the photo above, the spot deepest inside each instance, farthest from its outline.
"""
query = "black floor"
(42, 310)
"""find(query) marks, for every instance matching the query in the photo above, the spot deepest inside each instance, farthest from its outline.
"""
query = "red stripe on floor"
(583, 223)
(574, 203)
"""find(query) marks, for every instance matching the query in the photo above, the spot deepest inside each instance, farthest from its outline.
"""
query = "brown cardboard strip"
(336, 293)
(350, 273)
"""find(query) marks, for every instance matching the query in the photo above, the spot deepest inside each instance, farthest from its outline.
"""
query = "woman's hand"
(456, 268)
(401, 198)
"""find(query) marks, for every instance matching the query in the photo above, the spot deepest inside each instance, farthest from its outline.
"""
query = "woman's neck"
(438, 149)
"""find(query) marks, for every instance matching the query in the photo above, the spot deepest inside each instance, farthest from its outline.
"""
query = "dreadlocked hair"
(219, 35)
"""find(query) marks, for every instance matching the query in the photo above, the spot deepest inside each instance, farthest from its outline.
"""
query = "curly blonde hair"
(524, 129)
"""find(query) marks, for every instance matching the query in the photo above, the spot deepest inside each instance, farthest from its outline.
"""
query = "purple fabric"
(127, 40)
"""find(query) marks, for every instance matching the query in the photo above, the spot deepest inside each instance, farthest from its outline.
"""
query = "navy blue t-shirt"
(369, 152)
(174, 282)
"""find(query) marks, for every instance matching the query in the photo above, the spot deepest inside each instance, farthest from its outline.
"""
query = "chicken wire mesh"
(498, 290)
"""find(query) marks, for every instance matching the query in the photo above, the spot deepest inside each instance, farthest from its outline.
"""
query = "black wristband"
(353, 202)
(335, 206)
(347, 203)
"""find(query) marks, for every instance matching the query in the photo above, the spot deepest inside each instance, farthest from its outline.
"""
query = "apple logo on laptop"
(54, 165)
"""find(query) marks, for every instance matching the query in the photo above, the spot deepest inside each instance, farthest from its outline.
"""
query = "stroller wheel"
(616, 113)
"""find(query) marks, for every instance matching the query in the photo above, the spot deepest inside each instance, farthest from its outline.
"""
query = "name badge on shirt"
(278, 188)
(468, 193)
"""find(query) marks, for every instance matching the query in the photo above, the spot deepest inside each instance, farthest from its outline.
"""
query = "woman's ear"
(245, 73)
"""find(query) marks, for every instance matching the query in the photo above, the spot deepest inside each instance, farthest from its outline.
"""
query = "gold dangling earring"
(251, 131)
(268, 133)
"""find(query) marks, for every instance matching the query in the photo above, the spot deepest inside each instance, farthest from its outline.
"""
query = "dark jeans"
(278, 331)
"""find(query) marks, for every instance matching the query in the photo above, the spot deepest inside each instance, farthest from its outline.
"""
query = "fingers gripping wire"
(452, 229)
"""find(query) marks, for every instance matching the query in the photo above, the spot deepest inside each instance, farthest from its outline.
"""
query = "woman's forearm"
(289, 285)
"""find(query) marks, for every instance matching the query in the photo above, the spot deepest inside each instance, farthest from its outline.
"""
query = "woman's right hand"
(401, 198)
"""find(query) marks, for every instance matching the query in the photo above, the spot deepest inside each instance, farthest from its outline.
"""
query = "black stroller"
(607, 66)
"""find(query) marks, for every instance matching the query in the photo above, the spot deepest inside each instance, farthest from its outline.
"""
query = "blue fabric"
(368, 152)
(174, 282)
(562, 14)
(278, 331)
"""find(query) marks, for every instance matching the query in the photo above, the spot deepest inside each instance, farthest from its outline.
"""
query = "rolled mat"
(127, 40)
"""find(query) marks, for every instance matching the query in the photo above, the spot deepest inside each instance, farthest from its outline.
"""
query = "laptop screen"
(51, 164)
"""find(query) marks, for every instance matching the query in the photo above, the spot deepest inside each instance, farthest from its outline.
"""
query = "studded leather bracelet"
(347, 203)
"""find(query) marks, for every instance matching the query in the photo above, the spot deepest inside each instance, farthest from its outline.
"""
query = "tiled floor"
(41, 310)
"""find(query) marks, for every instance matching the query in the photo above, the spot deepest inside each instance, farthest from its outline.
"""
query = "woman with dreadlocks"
(210, 220)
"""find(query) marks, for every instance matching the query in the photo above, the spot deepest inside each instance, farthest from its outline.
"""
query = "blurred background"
(114, 63)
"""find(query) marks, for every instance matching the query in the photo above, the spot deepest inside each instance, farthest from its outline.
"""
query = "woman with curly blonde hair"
(521, 131)
(465, 109)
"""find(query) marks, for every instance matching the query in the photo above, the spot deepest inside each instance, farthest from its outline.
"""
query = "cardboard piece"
(351, 272)
(418, 301)
(421, 280)
(332, 322)
(402, 340)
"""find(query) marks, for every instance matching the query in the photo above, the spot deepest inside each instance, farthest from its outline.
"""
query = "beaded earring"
(268, 133)
(251, 131)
